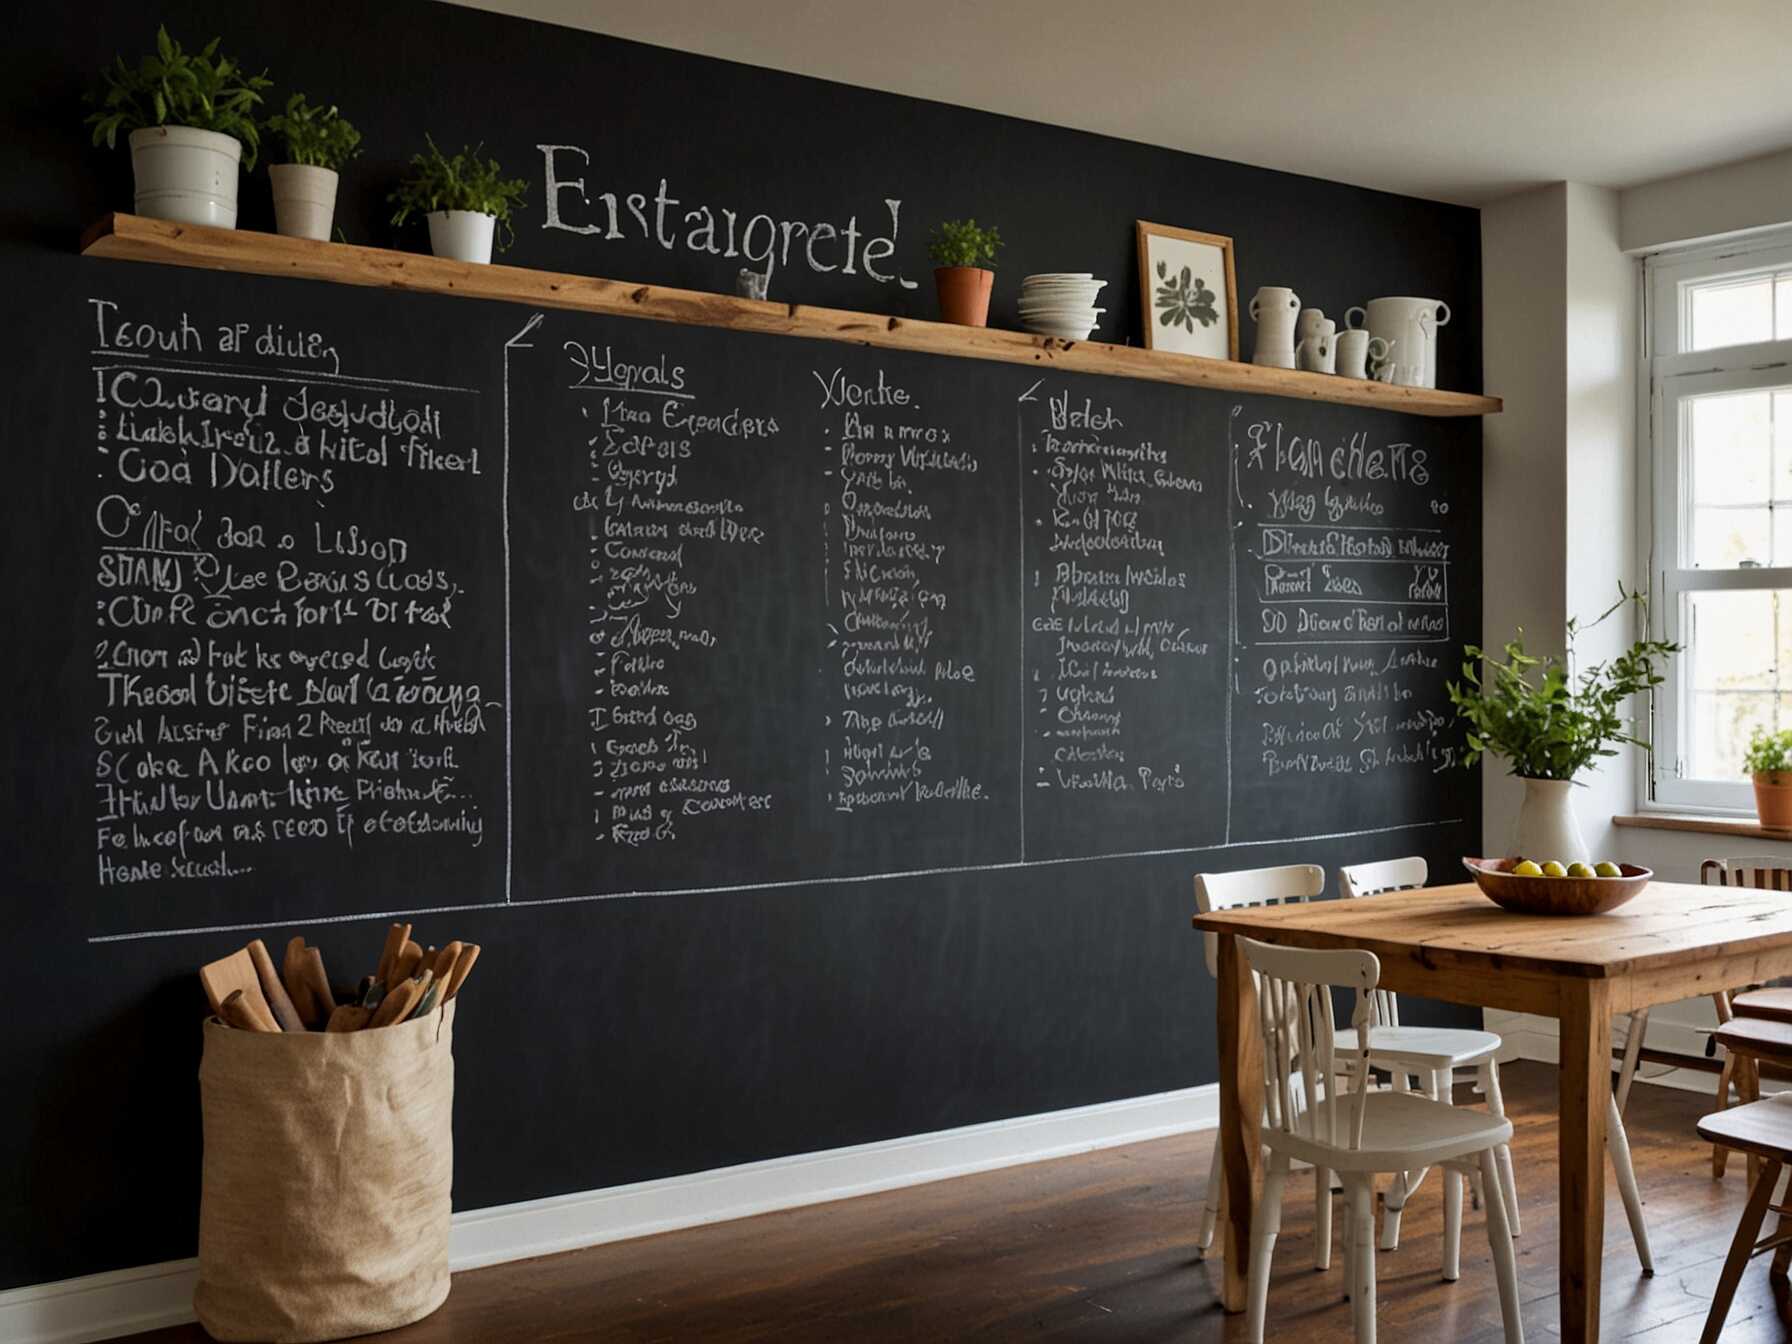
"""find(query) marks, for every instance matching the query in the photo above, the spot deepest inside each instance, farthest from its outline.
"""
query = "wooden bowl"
(1555, 895)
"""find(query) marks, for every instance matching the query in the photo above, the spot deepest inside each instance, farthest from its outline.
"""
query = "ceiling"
(1447, 99)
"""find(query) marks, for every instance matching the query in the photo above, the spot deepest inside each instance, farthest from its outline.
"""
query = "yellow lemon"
(1580, 870)
(1526, 869)
(1554, 869)
(1609, 869)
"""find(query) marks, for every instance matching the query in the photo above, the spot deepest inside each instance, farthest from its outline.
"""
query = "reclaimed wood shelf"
(134, 238)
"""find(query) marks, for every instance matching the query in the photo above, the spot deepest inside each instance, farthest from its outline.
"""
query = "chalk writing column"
(1125, 667)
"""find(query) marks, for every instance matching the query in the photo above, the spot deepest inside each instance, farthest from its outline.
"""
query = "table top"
(1667, 924)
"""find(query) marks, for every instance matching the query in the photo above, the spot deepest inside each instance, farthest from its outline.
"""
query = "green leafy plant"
(1547, 720)
(1769, 753)
(1184, 299)
(464, 181)
(176, 87)
(319, 137)
(959, 242)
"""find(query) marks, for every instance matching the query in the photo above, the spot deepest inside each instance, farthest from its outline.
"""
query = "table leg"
(1241, 1115)
(1586, 1089)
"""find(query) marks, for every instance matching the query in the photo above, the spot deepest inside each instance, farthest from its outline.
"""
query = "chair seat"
(1401, 1131)
(1422, 1049)
(1761, 1127)
(1757, 1037)
(1773, 1004)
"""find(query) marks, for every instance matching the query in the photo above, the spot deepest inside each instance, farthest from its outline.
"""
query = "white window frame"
(1672, 375)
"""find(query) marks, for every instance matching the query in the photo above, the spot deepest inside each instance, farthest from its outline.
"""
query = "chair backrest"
(1253, 886)
(1371, 879)
(1300, 1058)
(1769, 872)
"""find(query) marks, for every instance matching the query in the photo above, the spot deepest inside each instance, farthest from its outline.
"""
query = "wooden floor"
(1099, 1248)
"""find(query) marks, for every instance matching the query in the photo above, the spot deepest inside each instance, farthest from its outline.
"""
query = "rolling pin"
(275, 992)
(237, 1012)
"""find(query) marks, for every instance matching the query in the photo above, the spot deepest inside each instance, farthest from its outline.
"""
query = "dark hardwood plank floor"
(1099, 1247)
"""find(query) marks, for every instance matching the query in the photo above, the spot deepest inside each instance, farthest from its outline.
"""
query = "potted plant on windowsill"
(465, 198)
(1769, 764)
(1551, 722)
(962, 254)
(319, 141)
(191, 121)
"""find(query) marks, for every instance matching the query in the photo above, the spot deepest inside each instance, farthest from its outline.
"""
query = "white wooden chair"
(1352, 1130)
(1231, 891)
(1433, 1055)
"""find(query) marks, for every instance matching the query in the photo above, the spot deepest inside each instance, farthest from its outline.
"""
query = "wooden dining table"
(1671, 942)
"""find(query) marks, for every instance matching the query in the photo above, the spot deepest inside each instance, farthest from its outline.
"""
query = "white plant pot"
(464, 235)
(1546, 828)
(304, 200)
(186, 175)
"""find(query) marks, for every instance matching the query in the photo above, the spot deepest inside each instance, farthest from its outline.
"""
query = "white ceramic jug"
(1318, 353)
(1410, 325)
(1356, 348)
(1273, 309)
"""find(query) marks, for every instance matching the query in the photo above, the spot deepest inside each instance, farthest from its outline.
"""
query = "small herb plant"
(464, 182)
(175, 87)
(959, 242)
(1547, 720)
(1769, 753)
(318, 137)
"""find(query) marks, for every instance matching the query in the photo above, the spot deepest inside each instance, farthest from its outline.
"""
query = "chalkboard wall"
(820, 741)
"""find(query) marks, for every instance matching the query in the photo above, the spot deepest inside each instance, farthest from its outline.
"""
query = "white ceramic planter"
(464, 235)
(1546, 828)
(186, 175)
(304, 200)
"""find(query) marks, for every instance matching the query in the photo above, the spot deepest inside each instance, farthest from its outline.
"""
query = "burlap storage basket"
(329, 1165)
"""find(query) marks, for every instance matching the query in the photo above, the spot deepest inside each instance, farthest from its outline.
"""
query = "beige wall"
(1713, 203)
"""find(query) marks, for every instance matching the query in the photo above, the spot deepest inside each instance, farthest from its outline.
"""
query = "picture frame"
(1186, 311)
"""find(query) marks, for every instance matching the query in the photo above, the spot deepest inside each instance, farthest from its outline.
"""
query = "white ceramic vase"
(1546, 828)
(1274, 309)
(463, 235)
(186, 175)
(304, 200)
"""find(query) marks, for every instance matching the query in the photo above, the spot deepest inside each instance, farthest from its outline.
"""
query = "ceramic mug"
(1312, 321)
(1357, 349)
(1273, 309)
(1412, 324)
(1318, 353)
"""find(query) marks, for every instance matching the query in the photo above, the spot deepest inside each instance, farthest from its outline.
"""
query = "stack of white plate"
(1060, 304)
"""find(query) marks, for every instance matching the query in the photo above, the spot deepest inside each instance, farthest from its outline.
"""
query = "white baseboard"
(126, 1301)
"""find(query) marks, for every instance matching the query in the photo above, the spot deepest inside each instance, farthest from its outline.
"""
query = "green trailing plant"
(318, 137)
(1547, 719)
(464, 181)
(1769, 753)
(959, 242)
(176, 87)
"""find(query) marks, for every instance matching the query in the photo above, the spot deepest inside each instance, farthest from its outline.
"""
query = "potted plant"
(962, 254)
(1551, 722)
(191, 120)
(465, 198)
(1769, 764)
(319, 141)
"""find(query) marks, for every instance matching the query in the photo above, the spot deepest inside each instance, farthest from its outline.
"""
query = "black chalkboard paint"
(817, 737)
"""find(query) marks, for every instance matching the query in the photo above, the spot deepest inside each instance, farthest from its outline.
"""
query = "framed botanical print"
(1188, 292)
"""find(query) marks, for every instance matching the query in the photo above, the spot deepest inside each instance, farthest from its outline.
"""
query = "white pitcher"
(1356, 348)
(1273, 309)
(1410, 325)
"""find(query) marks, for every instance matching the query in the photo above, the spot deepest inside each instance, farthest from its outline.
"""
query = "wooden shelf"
(133, 238)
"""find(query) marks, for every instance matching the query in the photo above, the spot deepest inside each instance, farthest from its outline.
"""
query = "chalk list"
(593, 607)
(296, 666)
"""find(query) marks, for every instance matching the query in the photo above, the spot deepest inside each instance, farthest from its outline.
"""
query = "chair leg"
(1496, 1105)
(1499, 1240)
(1264, 1228)
(1720, 1155)
(1760, 1194)
(1633, 1045)
(1452, 1178)
(1216, 1200)
(1362, 1218)
(1322, 1218)
(1748, 1088)
(1618, 1143)
(1406, 1183)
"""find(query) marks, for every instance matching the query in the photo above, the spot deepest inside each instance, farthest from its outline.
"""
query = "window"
(1720, 427)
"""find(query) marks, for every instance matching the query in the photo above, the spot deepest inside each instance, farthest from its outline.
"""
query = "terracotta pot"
(1773, 799)
(964, 294)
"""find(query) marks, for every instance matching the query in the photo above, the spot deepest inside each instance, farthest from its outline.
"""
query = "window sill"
(1707, 825)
